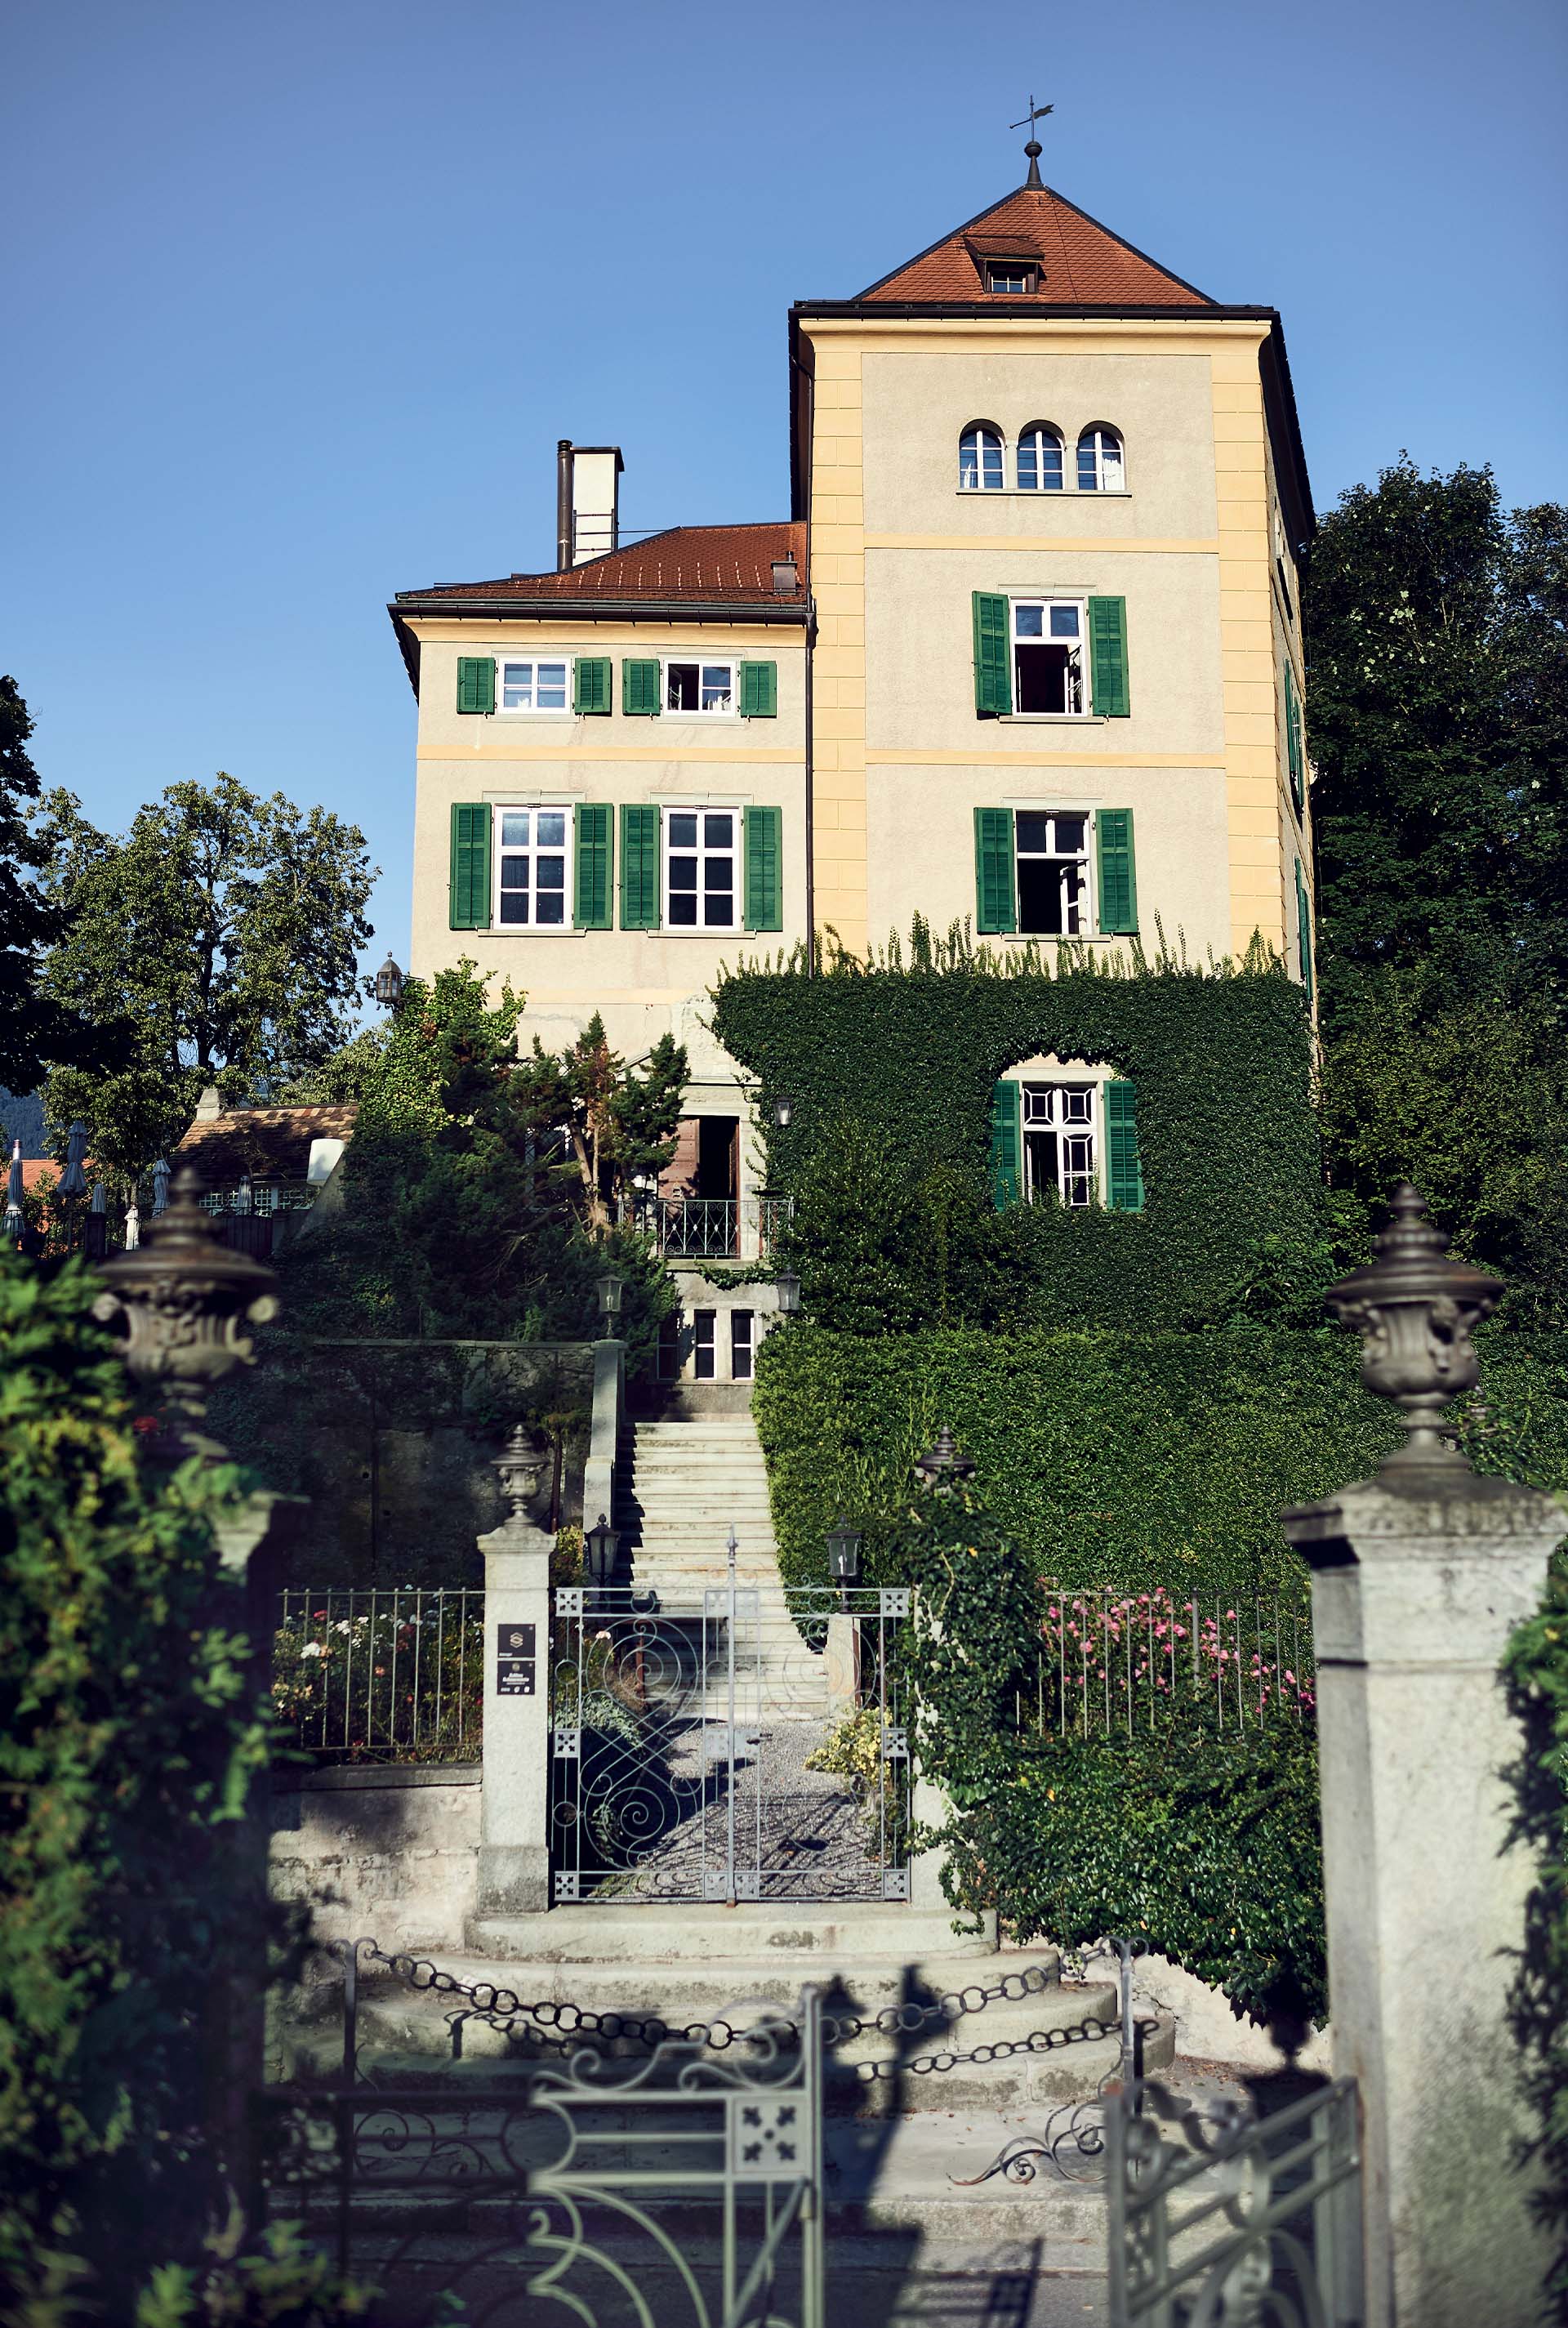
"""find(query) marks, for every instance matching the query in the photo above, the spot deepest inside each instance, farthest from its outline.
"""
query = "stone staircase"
(681, 1487)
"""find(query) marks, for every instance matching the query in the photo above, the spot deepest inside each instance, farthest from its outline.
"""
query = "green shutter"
(1123, 1172)
(993, 693)
(759, 690)
(640, 867)
(995, 903)
(1304, 931)
(1006, 1144)
(640, 689)
(596, 850)
(592, 693)
(475, 686)
(470, 884)
(764, 878)
(1108, 659)
(1118, 914)
(1295, 759)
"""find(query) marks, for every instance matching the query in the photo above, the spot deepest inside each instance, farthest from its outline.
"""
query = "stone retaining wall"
(390, 1851)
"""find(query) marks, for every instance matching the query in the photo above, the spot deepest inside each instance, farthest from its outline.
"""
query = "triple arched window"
(1039, 460)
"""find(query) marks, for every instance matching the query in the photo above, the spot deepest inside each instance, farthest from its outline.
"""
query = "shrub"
(129, 1743)
(1205, 1844)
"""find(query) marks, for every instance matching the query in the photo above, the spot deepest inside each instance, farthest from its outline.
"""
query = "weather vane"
(1036, 113)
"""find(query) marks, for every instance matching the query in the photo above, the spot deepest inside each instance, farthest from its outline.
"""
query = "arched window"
(1040, 459)
(980, 459)
(1100, 462)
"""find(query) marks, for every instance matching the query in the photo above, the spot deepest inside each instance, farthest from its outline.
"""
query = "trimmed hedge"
(1117, 1459)
(1234, 1220)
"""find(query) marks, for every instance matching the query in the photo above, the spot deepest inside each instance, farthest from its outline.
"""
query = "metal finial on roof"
(1036, 113)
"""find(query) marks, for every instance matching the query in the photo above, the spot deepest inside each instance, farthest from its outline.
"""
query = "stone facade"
(389, 1852)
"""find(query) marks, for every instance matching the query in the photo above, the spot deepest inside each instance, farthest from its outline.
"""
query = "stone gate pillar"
(514, 1816)
(1420, 1576)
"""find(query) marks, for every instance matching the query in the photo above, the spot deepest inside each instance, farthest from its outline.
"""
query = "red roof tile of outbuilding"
(729, 565)
(1082, 263)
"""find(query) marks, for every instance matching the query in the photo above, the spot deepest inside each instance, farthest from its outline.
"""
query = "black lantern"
(942, 1466)
(843, 1553)
(787, 1286)
(601, 1544)
(389, 985)
(610, 1287)
(784, 1111)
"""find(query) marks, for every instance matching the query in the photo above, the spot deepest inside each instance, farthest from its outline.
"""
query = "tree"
(1438, 703)
(219, 934)
(620, 1125)
(34, 1028)
(462, 1215)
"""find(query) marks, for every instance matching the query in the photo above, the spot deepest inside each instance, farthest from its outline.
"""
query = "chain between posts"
(562, 2024)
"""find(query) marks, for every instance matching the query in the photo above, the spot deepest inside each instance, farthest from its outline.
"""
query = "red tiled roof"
(268, 1142)
(729, 565)
(1082, 263)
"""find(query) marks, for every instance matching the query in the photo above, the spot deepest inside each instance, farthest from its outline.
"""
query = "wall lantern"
(843, 1553)
(389, 985)
(787, 1286)
(783, 1111)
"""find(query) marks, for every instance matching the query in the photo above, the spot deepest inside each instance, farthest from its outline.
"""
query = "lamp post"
(942, 1468)
(610, 1286)
(388, 987)
(842, 1658)
(600, 1545)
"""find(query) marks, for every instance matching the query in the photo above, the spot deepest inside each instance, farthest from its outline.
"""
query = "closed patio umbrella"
(15, 1220)
(73, 1179)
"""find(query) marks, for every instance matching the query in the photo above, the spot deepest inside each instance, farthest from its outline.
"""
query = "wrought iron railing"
(261, 1197)
(378, 1674)
(1240, 2221)
(712, 1228)
(1114, 1662)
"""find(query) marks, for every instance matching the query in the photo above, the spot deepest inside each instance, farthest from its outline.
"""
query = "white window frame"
(1099, 430)
(702, 664)
(979, 428)
(1040, 429)
(1085, 708)
(1085, 858)
(699, 929)
(1077, 1136)
(563, 710)
(1029, 268)
(500, 849)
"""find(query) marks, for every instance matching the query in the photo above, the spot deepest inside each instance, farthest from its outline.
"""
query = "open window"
(699, 690)
(1048, 655)
(1052, 873)
(1058, 1127)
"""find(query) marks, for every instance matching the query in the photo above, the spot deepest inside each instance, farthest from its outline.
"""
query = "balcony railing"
(712, 1228)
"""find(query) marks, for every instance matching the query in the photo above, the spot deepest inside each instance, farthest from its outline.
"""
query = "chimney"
(587, 501)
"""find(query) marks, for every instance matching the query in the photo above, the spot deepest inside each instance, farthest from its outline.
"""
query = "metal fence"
(380, 1674)
(1114, 1661)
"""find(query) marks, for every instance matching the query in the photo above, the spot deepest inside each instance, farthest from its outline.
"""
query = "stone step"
(863, 1936)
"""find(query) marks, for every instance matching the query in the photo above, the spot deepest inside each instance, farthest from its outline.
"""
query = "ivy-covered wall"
(1131, 1460)
(1233, 1218)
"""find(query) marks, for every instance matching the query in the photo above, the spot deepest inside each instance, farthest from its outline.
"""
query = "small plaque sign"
(515, 1660)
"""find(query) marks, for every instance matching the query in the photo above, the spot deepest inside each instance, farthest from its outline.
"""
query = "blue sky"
(301, 298)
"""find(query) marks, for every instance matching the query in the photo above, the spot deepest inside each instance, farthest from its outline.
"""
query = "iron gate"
(735, 1739)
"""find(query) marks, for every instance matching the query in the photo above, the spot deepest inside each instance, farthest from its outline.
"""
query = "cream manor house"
(1026, 652)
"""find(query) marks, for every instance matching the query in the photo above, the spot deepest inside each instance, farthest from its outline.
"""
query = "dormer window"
(1021, 277)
